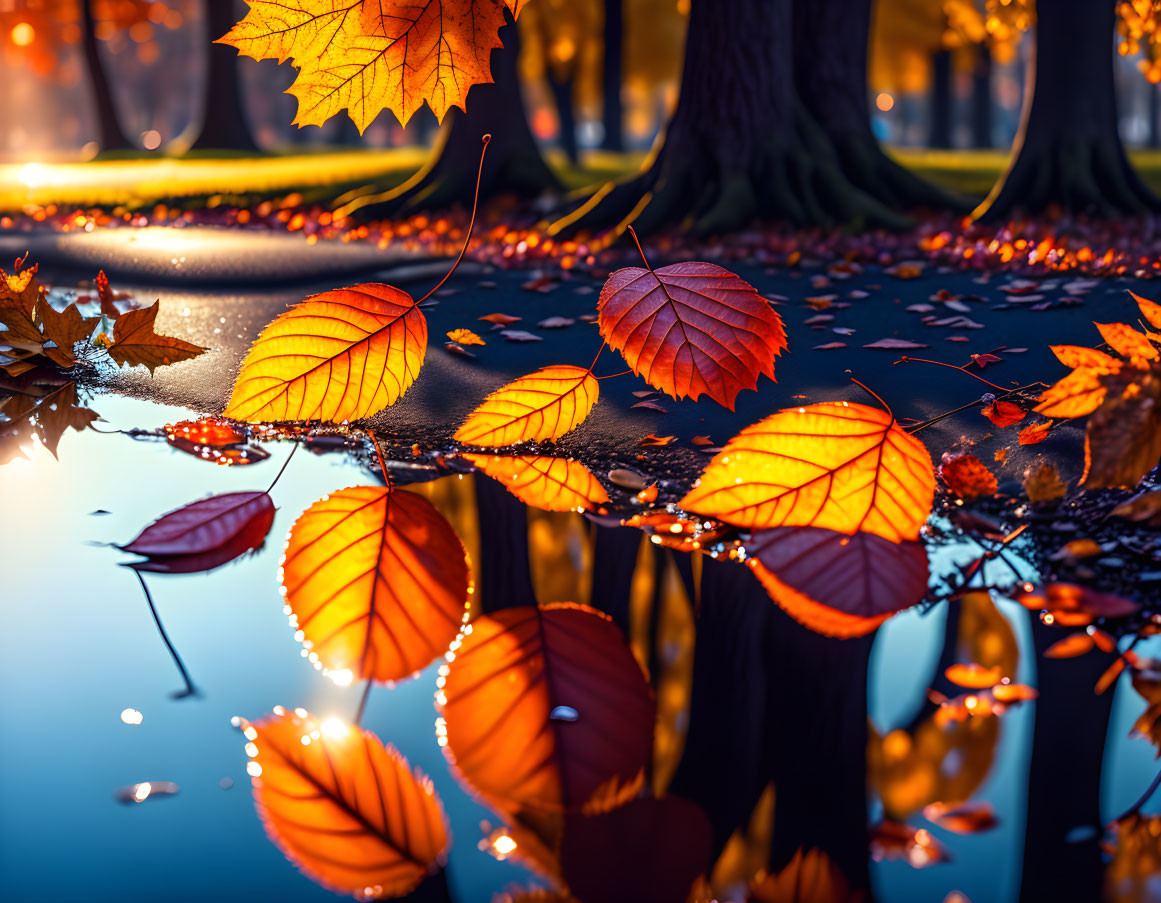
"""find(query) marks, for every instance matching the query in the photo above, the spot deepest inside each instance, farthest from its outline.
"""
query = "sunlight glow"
(33, 175)
(334, 728)
(131, 716)
(885, 102)
(23, 34)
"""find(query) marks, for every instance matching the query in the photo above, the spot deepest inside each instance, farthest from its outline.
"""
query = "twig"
(190, 689)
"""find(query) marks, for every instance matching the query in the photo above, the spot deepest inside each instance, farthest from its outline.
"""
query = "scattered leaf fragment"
(967, 476)
(465, 337)
(1043, 484)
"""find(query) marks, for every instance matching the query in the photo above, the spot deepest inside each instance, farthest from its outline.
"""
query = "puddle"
(744, 697)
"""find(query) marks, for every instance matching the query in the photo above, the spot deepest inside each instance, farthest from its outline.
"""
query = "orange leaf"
(1075, 605)
(135, 342)
(656, 440)
(967, 476)
(834, 584)
(551, 484)
(1082, 391)
(962, 818)
(370, 55)
(1127, 341)
(1110, 676)
(1003, 413)
(840, 466)
(19, 293)
(547, 709)
(1070, 647)
(1044, 484)
(376, 581)
(341, 355)
(1034, 433)
(344, 808)
(973, 676)
(1007, 693)
(691, 329)
(465, 337)
(64, 330)
(538, 407)
(809, 877)
(1150, 310)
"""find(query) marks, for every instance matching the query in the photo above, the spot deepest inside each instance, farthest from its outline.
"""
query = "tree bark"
(1154, 114)
(513, 166)
(981, 108)
(505, 569)
(612, 111)
(224, 124)
(110, 135)
(1068, 155)
(939, 116)
(562, 97)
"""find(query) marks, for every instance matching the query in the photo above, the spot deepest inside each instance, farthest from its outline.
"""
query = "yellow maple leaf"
(465, 337)
(369, 55)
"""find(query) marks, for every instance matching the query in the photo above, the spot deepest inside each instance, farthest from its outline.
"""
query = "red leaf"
(1003, 413)
(967, 477)
(691, 329)
(835, 584)
(1034, 433)
(206, 525)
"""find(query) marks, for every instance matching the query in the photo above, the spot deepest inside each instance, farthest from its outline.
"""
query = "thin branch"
(282, 470)
(190, 689)
(920, 360)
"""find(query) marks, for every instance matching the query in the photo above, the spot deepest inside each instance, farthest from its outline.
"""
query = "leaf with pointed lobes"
(346, 810)
(377, 582)
(337, 356)
(551, 484)
(19, 293)
(539, 407)
(967, 476)
(691, 329)
(1083, 390)
(136, 342)
(547, 710)
(839, 466)
(809, 877)
(366, 56)
(54, 414)
(204, 534)
(64, 330)
(838, 585)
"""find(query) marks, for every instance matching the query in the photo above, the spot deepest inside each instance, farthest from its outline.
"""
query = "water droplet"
(564, 713)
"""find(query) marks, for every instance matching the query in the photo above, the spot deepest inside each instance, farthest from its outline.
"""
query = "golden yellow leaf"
(465, 337)
(345, 809)
(842, 466)
(369, 55)
(135, 342)
(1122, 442)
(340, 355)
(538, 407)
(376, 581)
(1127, 341)
(1081, 392)
(552, 484)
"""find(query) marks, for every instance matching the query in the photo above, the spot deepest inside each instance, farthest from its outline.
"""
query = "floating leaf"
(840, 466)
(512, 670)
(691, 329)
(551, 484)
(370, 56)
(962, 818)
(538, 407)
(64, 330)
(835, 584)
(376, 581)
(974, 676)
(341, 355)
(967, 476)
(135, 342)
(1070, 647)
(345, 809)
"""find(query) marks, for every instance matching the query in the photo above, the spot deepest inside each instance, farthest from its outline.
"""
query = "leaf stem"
(920, 360)
(598, 357)
(362, 704)
(471, 225)
(382, 460)
(190, 689)
(874, 395)
(611, 375)
(282, 470)
(641, 251)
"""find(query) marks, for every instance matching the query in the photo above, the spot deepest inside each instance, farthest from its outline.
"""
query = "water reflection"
(656, 729)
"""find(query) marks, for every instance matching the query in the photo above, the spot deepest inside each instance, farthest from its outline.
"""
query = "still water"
(786, 739)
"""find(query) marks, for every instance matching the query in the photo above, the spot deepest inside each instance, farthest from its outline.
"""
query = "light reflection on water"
(87, 705)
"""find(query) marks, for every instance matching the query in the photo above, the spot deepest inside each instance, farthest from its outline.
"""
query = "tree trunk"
(223, 119)
(562, 96)
(939, 115)
(513, 165)
(612, 112)
(1068, 154)
(505, 571)
(981, 108)
(1154, 115)
(1064, 777)
(110, 135)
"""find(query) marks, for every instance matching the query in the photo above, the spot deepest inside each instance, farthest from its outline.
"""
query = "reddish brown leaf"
(135, 342)
(691, 329)
(106, 297)
(973, 676)
(547, 709)
(1003, 413)
(966, 476)
(64, 330)
(1035, 432)
(205, 526)
(962, 818)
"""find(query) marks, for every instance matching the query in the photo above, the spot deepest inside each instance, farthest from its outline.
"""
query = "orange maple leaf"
(135, 342)
(369, 55)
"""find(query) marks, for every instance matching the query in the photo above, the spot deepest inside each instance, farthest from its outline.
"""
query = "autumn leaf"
(1070, 647)
(1145, 508)
(809, 877)
(465, 337)
(64, 330)
(967, 476)
(1003, 413)
(341, 355)
(369, 55)
(1122, 441)
(838, 585)
(1083, 390)
(1043, 484)
(135, 342)
(1128, 342)
(1076, 606)
(205, 534)
(551, 484)
(962, 818)
(345, 809)
(1148, 723)
(539, 407)
(19, 294)
(1131, 874)
(546, 709)
(1150, 310)
(106, 297)
(974, 676)
(1035, 433)
(839, 466)
(54, 414)
(376, 581)
(691, 329)
(652, 440)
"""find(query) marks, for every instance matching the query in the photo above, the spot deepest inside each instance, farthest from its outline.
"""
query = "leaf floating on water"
(896, 345)
(838, 585)
(498, 320)
(691, 329)
(136, 342)
(1003, 413)
(376, 580)
(551, 484)
(65, 329)
(512, 670)
(839, 466)
(342, 355)
(962, 818)
(538, 407)
(974, 676)
(345, 809)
